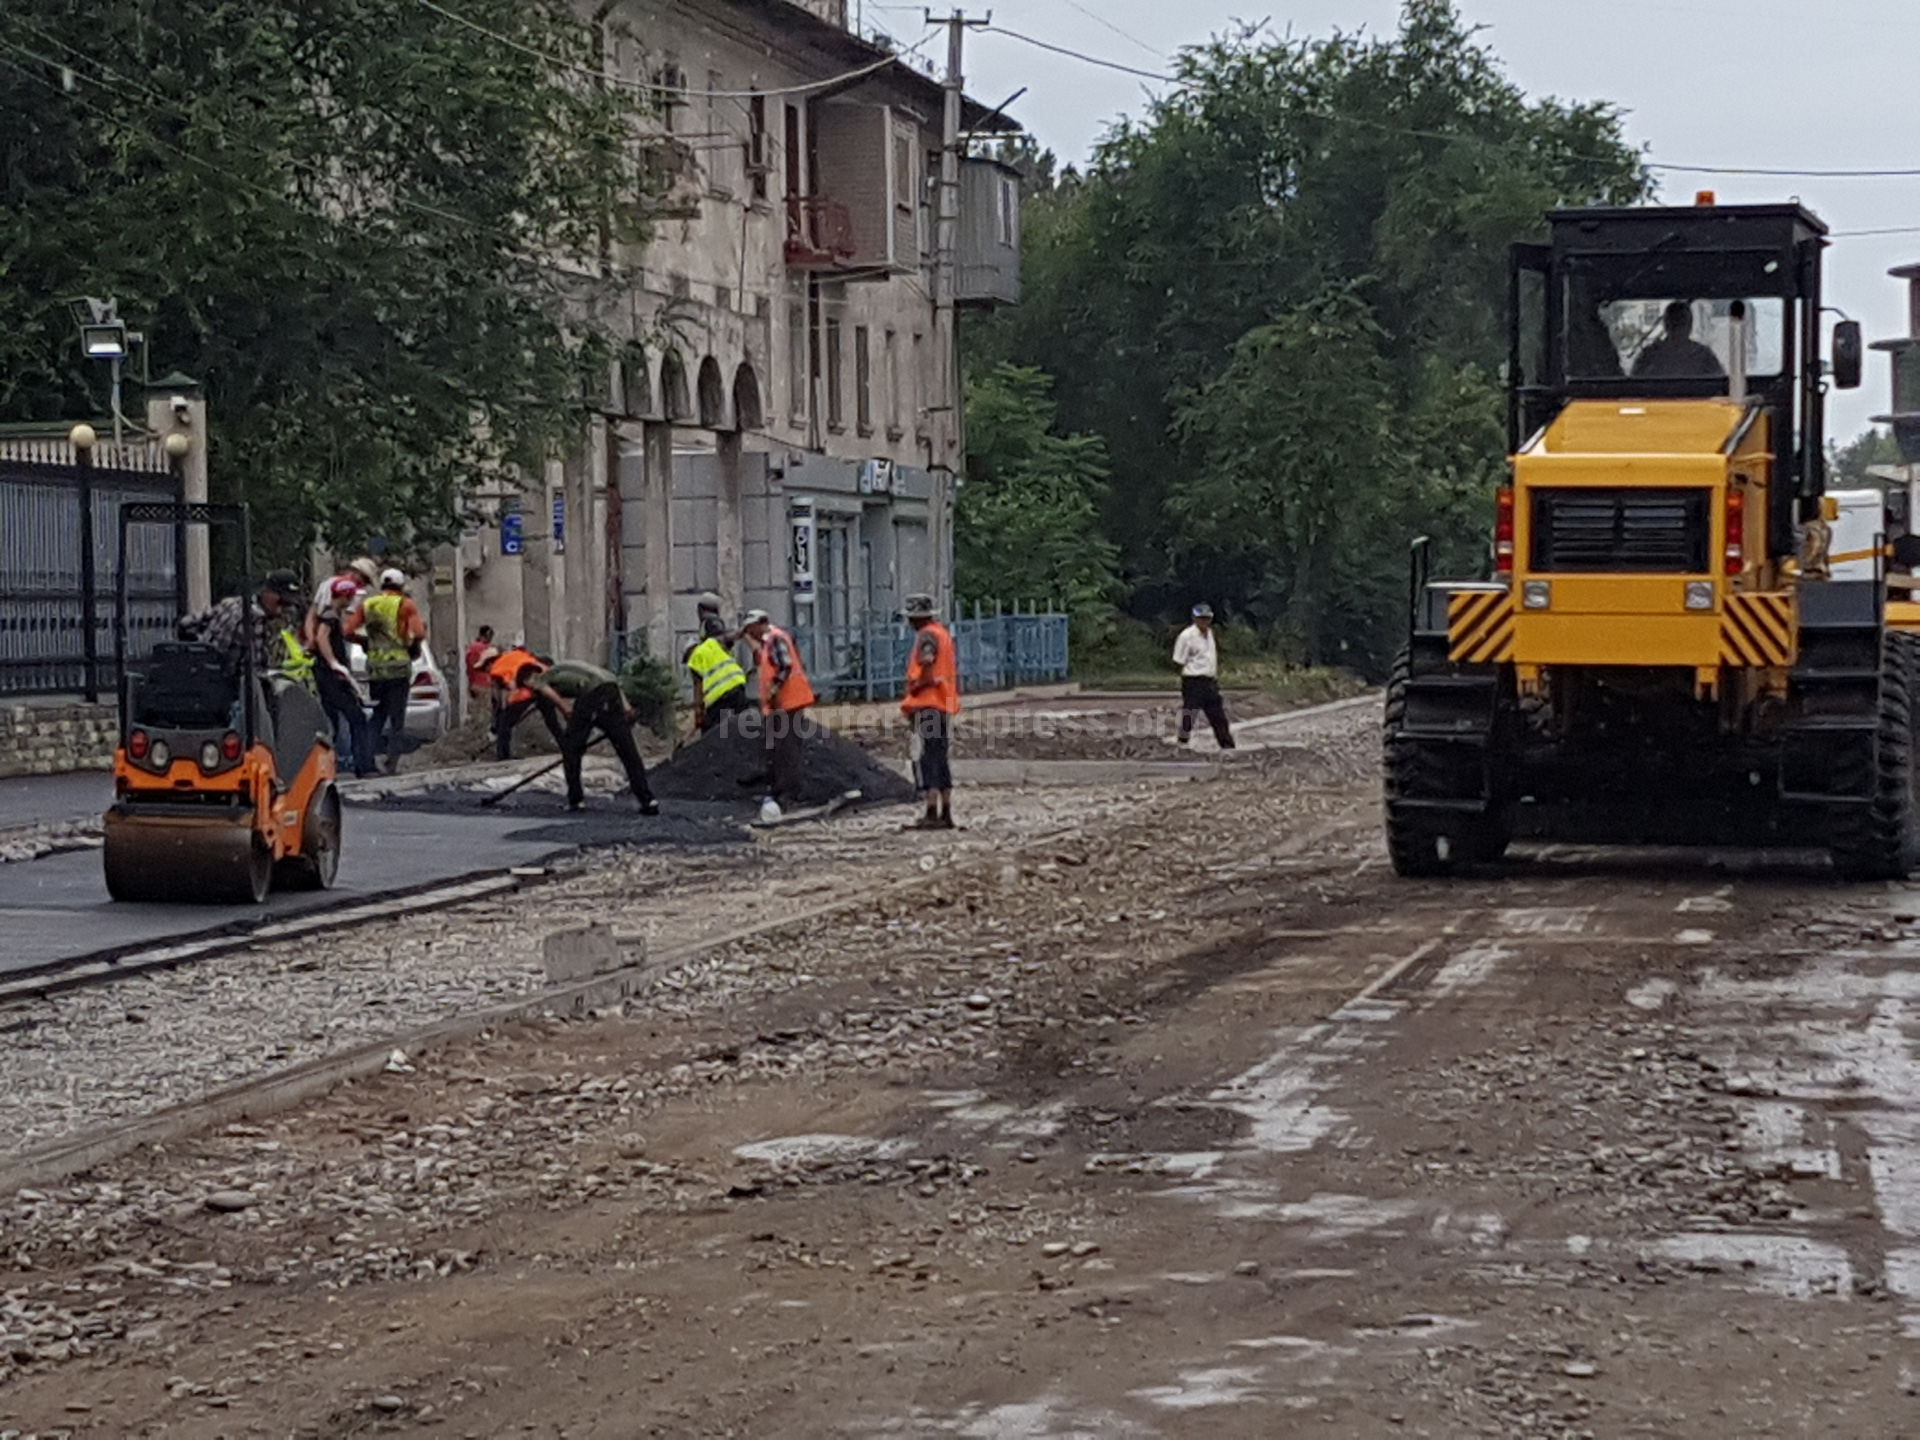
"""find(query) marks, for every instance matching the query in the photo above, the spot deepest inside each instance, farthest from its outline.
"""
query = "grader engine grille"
(1599, 532)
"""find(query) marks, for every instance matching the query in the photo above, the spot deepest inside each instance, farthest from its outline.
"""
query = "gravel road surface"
(1156, 1110)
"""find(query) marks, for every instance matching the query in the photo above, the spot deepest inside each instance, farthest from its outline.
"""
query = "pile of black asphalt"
(730, 762)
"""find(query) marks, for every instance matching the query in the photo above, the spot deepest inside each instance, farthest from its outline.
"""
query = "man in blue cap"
(1198, 656)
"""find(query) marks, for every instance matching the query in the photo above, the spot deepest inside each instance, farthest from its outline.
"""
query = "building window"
(892, 358)
(795, 155)
(759, 150)
(863, 379)
(903, 197)
(919, 383)
(797, 359)
(720, 176)
(1009, 210)
(672, 81)
(836, 407)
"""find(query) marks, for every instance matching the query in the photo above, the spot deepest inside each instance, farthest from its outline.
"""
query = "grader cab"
(1684, 638)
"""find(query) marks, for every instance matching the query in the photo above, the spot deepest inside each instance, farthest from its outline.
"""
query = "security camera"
(182, 412)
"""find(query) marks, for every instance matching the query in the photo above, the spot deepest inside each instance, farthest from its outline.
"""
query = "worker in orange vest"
(932, 700)
(515, 699)
(785, 694)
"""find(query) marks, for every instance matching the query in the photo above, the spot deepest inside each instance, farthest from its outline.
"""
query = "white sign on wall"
(800, 552)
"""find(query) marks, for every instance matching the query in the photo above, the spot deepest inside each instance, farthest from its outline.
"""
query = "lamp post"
(104, 336)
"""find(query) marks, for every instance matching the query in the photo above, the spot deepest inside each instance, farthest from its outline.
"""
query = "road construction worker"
(515, 699)
(1197, 653)
(719, 684)
(337, 595)
(707, 615)
(389, 626)
(340, 695)
(236, 624)
(932, 700)
(785, 695)
(589, 699)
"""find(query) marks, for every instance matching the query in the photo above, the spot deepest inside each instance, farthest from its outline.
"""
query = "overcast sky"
(1781, 84)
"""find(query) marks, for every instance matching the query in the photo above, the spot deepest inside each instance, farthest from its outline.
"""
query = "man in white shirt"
(1197, 654)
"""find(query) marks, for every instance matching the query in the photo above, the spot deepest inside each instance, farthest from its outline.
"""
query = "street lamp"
(104, 336)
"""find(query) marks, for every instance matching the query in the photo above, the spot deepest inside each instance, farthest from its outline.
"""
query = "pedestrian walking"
(514, 701)
(589, 699)
(340, 694)
(932, 700)
(785, 695)
(1197, 653)
(389, 626)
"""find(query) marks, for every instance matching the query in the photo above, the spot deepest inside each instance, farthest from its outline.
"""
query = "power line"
(654, 87)
(1100, 19)
(1667, 167)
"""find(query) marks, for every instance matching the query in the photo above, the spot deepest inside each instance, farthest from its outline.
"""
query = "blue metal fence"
(998, 649)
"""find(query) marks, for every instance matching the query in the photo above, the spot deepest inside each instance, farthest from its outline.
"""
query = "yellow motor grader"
(1685, 639)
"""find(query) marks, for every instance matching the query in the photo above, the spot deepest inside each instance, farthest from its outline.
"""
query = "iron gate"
(58, 535)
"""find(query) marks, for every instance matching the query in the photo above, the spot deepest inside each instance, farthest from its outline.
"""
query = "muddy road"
(1192, 1122)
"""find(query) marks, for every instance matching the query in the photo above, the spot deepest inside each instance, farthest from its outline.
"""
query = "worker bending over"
(719, 684)
(932, 700)
(590, 699)
(513, 700)
(785, 695)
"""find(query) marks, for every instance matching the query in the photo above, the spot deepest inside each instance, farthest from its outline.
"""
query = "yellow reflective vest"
(387, 654)
(715, 671)
(296, 662)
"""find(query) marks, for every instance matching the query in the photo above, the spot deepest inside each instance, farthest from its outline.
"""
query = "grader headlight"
(1699, 595)
(1536, 594)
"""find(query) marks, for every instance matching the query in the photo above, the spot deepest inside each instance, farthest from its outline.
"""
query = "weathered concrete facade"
(782, 427)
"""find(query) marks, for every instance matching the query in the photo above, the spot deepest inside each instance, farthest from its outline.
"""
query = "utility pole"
(945, 286)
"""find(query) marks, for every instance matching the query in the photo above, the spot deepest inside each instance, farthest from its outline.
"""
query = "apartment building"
(782, 427)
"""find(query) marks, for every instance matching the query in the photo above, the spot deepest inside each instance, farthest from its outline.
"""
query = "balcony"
(819, 233)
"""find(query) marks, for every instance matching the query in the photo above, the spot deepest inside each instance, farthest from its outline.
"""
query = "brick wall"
(46, 737)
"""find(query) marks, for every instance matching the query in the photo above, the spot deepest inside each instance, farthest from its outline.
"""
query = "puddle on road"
(1796, 1266)
(1652, 994)
(1830, 1045)
(1202, 1389)
(1051, 1417)
(803, 1149)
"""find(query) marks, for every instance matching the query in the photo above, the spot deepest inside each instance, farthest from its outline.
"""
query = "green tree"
(1026, 522)
(1393, 171)
(1847, 464)
(374, 230)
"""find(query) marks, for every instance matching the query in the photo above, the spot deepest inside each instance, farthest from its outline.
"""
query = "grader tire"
(1881, 841)
(1417, 847)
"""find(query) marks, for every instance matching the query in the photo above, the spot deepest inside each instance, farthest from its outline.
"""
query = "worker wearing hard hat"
(932, 700)
(389, 626)
(785, 696)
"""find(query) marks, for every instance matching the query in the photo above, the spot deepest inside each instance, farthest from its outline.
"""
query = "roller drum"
(186, 860)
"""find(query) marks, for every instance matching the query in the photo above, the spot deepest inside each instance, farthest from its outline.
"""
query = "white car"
(429, 708)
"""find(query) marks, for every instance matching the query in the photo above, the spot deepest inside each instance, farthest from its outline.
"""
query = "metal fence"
(59, 538)
(997, 650)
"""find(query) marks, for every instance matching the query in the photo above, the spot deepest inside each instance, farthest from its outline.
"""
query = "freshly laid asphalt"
(56, 908)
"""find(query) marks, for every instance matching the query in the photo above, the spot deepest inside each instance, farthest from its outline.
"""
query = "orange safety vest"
(797, 693)
(506, 672)
(935, 686)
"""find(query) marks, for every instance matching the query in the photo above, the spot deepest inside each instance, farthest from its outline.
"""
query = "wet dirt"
(1198, 1123)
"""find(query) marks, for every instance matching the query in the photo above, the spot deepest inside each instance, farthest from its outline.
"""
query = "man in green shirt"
(590, 699)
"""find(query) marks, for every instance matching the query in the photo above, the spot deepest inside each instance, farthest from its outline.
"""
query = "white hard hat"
(392, 580)
(753, 617)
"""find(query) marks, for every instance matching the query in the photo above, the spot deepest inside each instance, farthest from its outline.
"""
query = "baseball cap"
(344, 589)
(281, 582)
(1203, 611)
(392, 579)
